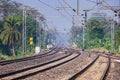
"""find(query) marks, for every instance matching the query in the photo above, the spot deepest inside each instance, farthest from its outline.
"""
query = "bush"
(3, 57)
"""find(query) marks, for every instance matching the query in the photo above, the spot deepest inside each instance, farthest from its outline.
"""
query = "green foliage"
(11, 29)
(10, 35)
(107, 44)
(31, 29)
(95, 29)
(1, 26)
(117, 33)
(97, 35)
(3, 57)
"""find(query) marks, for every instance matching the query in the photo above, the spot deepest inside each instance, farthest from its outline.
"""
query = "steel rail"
(27, 58)
(106, 69)
(28, 75)
(32, 67)
(83, 70)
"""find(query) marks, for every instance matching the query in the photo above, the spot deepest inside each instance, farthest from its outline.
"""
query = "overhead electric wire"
(69, 6)
(64, 8)
(108, 5)
(91, 1)
(64, 16)
(54, 9)
(47, 4)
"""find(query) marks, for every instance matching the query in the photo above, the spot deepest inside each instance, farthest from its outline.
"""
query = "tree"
(8, 8)
(76, 35)
(117, 39)
(10, 35)
(97, 28)
(1, 26)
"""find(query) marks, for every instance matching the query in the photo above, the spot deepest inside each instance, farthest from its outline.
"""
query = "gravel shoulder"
(65, 71)
(95, 71)
(29, 63)
(114, 72)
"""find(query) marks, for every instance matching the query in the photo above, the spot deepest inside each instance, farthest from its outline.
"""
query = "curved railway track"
(85, 71)
(111, 56)
(26, 72)
(106, 69)
(29, 58)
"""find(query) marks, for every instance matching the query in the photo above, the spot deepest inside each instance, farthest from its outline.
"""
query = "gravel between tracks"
(64, 71)
(25, 64)
(114, 72)
(95, 71)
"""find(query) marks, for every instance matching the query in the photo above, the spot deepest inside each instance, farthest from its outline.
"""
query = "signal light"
(115, 11)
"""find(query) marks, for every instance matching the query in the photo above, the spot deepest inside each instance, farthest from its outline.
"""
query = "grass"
(100, 50)
(20, 54)
(3, 57)
(118, 53)
(6, 57)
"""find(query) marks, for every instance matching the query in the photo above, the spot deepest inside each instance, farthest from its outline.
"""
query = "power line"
(100, 2)
(108, 5)
(91, 1)
(47, 4)
(69, 5)
(64, 8)
(54, 9)
(64, 16)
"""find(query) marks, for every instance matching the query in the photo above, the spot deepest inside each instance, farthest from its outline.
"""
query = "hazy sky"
(62, 18)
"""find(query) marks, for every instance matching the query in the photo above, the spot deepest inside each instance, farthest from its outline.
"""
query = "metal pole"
(118, 13)
(36, 30)
(119, 17)
(84, 29)
(119, 2)
(112, 34)
(44, 34)
(37, 25)
(73, 26)
(40, 35)
(78, 7)
(23, 32)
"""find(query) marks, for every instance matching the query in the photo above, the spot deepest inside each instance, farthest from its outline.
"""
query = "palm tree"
(11, 35)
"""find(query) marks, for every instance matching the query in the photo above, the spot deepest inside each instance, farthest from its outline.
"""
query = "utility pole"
(23, 47)
(119, 13)
(119, 18)
(37, 30)
(24, 30)
(78, 3)
(45, 28)
(112, 34)
(37, 24)
(84, 28)
(73, 22)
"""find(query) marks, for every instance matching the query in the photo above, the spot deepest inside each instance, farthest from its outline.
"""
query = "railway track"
(111, 56)
(29, 58)
(106, 69)
(23, 73)
(24, 64)
(96, 70)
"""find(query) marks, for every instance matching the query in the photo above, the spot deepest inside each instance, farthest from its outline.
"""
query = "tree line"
(11, 15)
(97, 34)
